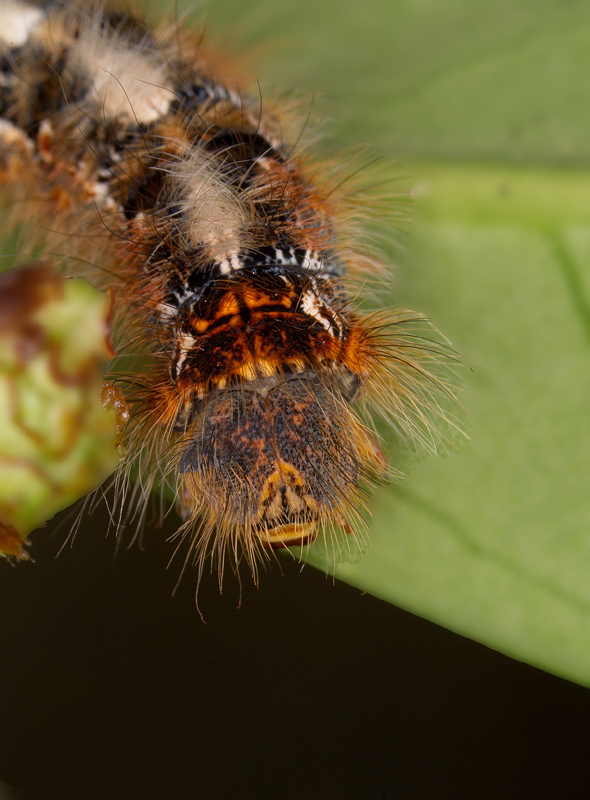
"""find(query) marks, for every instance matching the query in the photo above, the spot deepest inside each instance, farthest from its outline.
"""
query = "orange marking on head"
(254, 298)
(228, 306)
(200, 325)
(283, 492)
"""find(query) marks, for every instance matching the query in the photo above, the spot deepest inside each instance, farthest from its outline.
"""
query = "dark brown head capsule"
(276, 457)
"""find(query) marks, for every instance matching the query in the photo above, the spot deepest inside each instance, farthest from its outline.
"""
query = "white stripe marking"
(311, 306)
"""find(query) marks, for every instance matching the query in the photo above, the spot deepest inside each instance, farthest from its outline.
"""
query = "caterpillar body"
(251, 375)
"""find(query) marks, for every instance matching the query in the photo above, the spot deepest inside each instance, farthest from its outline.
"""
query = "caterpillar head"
(270, 461)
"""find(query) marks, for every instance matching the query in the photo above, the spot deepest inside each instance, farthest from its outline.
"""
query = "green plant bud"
(56, 438)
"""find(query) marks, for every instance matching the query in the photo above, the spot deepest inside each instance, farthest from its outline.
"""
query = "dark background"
(112, 688)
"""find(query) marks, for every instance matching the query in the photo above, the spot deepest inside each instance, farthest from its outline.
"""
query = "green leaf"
(495, 542)
(489, 103)
(56, 439)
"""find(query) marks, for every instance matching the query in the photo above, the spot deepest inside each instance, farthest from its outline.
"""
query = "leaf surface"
(489, 105)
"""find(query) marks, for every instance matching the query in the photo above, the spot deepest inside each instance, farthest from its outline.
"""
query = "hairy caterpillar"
(247, 373)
